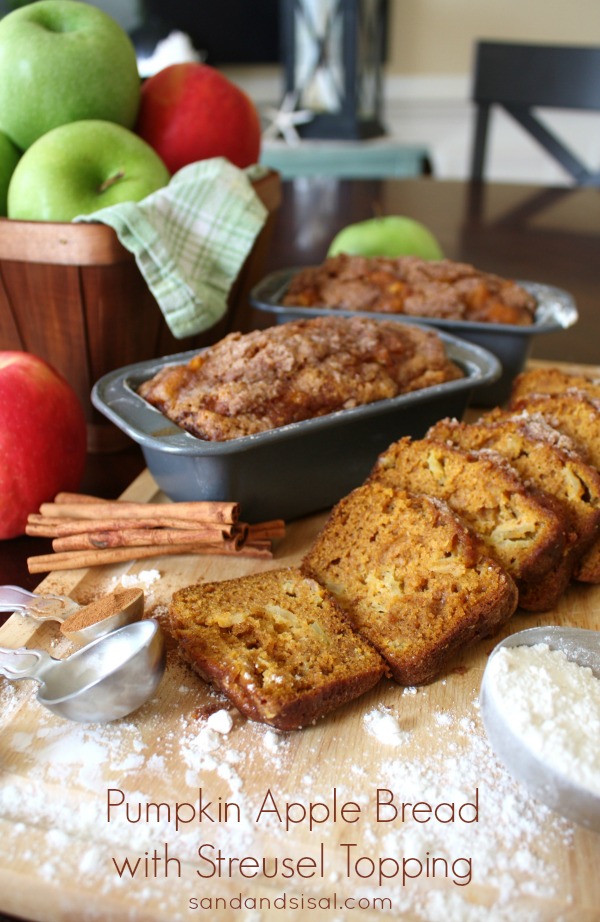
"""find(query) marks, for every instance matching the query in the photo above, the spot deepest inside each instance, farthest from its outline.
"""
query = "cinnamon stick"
(89, 531)
(141, 537)
(200, 511)
(49, 527)
(77, 498)
(272, 529)
(73, 560)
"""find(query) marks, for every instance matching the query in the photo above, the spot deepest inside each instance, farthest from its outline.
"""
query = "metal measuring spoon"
(129, 607)
(560, 792)
(107, 679)
(41, 607)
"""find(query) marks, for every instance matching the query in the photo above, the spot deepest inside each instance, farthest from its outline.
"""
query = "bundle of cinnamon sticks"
(87, 531)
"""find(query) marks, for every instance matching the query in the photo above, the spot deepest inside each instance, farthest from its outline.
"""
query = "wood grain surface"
(125, 821)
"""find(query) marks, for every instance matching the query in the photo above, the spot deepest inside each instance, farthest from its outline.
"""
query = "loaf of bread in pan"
(249, 383)
(409, 285)
(412, 578)
(276, 644)
(548, 460)
(523, 530)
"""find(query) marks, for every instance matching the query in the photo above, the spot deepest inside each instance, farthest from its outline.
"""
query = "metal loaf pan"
(293, 470)
(511, 344)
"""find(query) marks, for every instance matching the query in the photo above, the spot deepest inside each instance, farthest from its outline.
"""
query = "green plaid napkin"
(191, 238)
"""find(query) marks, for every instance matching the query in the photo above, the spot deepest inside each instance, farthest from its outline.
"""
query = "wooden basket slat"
(122, 317)
(10, 337)
(49, 314)
(60, 244)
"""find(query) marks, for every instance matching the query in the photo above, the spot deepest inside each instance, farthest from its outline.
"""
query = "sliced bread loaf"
(553, 380)
(577, 415)
(276, 644)
(548, 460)
(542, 457)
(521, 528)
(412, 578)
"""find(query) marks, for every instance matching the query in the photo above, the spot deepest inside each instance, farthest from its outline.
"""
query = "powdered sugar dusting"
(220, 721)
(384, 725)
(144, 578)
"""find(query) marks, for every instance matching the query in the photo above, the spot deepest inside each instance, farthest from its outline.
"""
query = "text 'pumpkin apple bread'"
(276, 644)
(523, 531)
(253, 382)
(412, 578)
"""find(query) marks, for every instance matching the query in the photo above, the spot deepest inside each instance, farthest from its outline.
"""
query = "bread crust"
(553, 380)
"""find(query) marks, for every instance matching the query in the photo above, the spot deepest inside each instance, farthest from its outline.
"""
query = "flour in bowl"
(554, 705)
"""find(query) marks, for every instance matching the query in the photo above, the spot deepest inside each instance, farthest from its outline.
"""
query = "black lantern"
(332, 54)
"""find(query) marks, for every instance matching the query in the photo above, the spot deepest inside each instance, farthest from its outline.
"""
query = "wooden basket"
(71, 294)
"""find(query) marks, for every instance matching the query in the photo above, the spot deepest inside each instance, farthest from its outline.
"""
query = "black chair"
(522, 77)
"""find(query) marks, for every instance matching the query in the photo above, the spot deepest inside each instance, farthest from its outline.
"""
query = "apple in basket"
(191, 112)
(9, 157)
(61, 61)
(78, 168)
(42, 438)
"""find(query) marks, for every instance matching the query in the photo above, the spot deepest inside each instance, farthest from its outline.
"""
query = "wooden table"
(57, 851)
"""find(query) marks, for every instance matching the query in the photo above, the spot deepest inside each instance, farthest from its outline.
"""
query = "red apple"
(42, 438)
(191, 111)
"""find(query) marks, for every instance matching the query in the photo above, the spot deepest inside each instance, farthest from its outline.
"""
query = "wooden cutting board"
(157, 817)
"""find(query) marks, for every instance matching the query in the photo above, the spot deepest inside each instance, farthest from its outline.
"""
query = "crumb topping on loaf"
(276, 643)
(412, 578)
(249, 383)
(411, 285)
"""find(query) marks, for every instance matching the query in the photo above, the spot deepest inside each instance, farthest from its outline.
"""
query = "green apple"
(78, 168)
(63, 61)
(391, 236)
(9, 157)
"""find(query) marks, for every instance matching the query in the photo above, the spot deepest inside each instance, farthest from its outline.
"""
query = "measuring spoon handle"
(23, 664)
(13, 598)
(48, 607)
